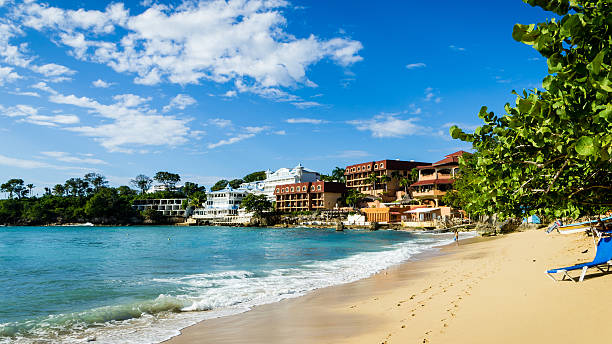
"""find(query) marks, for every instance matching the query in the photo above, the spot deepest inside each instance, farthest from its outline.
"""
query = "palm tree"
(385, 179)
(405, 182)
(30, 187)
(372, 179)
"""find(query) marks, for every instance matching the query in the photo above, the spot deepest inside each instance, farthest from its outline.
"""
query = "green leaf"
(455, 132)
(586, 146)
(595, 66)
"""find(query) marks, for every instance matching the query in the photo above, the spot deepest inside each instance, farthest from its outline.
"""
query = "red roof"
(434, 182)
(448, 159)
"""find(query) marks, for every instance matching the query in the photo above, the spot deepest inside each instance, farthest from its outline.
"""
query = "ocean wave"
(209, 295)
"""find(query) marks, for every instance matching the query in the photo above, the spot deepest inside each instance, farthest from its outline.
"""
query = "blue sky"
(218, 89)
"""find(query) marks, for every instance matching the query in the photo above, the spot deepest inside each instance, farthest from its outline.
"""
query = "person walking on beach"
(456, 235)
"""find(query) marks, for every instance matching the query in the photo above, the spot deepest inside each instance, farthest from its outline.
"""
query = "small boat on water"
(86, 224)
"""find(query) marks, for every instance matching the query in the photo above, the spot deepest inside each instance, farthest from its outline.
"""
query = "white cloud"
(390, 125)
(8, 75)
(230, 94)
(132, 123)
(44, 87)
(414, 110)
(243, 41)
(248, 132)
(31, 164)
(52, 69)
(456, 48)
(416, 65)
(29, 114)
(231, 140)
(220, 122)
(303, 120)
(67, 157)
(25, 93)
(280, 132)
(305, 105)
(101, 84)
(181, 101)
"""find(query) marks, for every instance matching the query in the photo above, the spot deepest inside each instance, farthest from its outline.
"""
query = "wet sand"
(478, 291)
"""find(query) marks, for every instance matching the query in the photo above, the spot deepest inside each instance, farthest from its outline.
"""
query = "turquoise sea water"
(143, 284)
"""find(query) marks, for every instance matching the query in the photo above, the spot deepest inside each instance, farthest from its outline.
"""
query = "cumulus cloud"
(8, 75)
(128, 123)
(181, 101)
(390, 125)
(52, 69)
(101, 84)
(239, 41)
(29, 114)
(303, 120)
(416, 65)
(67, 157)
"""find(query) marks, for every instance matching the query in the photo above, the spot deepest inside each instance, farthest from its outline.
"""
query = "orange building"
(308, 196)
(436, 179)
(357, 177)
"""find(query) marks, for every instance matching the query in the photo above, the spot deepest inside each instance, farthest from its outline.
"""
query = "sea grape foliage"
(550, 153)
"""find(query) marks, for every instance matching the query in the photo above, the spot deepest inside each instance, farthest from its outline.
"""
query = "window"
(359, 169)
(381, 166)
(276, 190)
(292, 189)
(304, 188)
(287, 189)
(375, 166)
(318, 187)
(353, 169)
(312, 188)
(369, 167)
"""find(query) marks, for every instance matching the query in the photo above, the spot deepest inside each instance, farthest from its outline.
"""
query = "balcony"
(430, 193)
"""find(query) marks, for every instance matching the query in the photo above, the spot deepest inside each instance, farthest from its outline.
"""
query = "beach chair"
(602, 257)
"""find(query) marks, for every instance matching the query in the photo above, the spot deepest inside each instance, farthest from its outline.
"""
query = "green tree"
(257, 204)
(13, 187)
(338, 174)
(372, 179)
(59, 190)
(168, 179)
(235, 183)
(354, 197)
(550, 153)
(220, 185)
(190, 188)
(76, 187)
(30, 187)
(142, 182)
(96, 181)
(405, 183)
(197, 198)
(385, 179)
(107, 204)
(255, 176)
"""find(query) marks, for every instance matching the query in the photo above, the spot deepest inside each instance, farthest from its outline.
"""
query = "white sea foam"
(206, 296)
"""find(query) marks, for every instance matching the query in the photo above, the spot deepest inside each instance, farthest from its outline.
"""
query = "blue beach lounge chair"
(602, 257)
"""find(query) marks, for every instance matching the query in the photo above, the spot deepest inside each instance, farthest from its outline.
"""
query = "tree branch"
(557, 176)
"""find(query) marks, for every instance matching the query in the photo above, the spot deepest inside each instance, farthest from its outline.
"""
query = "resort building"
(388, 174)
(157, 188)
(167, 207)
(308, 196)
(282, 176)
(436, 179)
(222, 206)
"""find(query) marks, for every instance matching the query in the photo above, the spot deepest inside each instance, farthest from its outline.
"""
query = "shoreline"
(432, 253)
(464, 293)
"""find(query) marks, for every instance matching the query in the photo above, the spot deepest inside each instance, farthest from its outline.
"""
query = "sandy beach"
(478, 291)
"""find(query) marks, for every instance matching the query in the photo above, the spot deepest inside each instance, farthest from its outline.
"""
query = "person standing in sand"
(456, 235)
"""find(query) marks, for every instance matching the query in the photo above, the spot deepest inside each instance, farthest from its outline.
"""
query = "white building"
(282, 176)
(167, 207)
(156, 188)
(223, 206)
